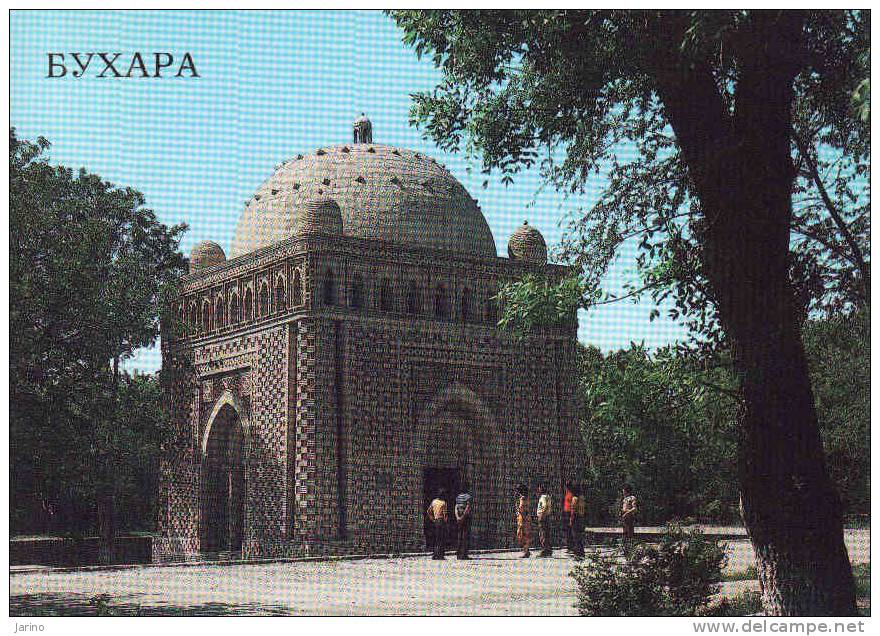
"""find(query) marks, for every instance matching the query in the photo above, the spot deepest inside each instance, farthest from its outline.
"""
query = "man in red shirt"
(566, 509)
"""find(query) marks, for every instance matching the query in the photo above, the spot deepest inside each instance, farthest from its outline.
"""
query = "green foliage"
(749, 574)
(666, 423)
(744, 604)
(861, 101)
(101, 603)
(676, 577)
(90, 267)
(663, 423)
(141, 426)
(862, 575)
(578, 92)
(534, 302)
(839, 355)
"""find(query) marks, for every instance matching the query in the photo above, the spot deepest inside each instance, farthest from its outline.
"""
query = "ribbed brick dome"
(382, 192)
(205, 254)
(527, 244)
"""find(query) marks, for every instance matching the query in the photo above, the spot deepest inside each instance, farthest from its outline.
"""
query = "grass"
(862, 575)
(749, 574)
(743, 604)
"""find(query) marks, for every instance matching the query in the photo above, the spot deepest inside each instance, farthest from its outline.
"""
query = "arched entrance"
(222, 503)
(463, 450)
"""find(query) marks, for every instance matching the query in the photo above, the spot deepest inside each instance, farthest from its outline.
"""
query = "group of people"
(574, 515)
(438, 515)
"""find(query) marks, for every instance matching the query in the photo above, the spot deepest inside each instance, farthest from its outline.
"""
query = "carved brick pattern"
(306, 460)
(394, 367)
(266, 479)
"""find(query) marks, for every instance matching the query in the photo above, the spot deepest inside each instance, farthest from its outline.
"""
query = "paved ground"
(490, 584)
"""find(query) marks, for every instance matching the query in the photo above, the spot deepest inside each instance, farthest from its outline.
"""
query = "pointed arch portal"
(461, 448)
(221, 514)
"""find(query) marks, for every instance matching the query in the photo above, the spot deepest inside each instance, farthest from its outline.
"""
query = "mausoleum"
(343, 362)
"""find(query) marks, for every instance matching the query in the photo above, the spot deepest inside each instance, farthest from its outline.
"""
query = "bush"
(676, 577)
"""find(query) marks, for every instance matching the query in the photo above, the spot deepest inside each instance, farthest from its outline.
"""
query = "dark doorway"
(433, 479)
(222, 510)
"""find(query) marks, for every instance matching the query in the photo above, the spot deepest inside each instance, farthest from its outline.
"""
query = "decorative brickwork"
(343, 391)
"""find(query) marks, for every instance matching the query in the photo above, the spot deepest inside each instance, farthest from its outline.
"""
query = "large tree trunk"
(789, 504)
(107, 522)
(741, 167)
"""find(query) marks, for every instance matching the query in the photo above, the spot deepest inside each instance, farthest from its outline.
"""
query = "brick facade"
(309, 355)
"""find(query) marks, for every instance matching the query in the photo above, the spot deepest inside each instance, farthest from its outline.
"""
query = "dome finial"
(363, 130)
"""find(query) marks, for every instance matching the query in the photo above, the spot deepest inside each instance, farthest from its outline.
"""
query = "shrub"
(675, 577)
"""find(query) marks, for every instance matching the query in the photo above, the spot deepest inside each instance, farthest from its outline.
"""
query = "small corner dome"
(320, 215)
(526, 244)
(204, 255)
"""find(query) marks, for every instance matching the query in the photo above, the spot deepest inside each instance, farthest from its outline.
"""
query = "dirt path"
(490, 584)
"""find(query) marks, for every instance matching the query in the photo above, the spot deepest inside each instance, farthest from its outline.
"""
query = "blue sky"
(273, 84)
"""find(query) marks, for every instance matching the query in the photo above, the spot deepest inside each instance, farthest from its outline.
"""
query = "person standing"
(566, 516)
(628, 510)
(463, 512)
(545, 507)
(576, 522)
(438, 515)
(523, 522)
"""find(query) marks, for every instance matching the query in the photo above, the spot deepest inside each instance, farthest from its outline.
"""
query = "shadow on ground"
(84, 605)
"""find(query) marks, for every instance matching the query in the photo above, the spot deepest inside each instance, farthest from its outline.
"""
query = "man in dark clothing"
(566, 517)
(463, 512)
(576, 521)
(438, 515)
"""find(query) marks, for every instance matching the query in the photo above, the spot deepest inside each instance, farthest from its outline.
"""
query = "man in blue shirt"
(463, 512)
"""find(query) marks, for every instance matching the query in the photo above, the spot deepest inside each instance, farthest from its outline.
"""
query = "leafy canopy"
(90, 268)
(667, 424)
(664, 424)
(574, 93)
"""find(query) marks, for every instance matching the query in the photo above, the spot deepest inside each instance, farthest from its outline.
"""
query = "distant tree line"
(666, 424)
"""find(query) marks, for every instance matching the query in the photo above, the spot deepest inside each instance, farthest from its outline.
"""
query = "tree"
(90, 267)
(661, 424)
(839, 355)
(665, 422)
(705, 98)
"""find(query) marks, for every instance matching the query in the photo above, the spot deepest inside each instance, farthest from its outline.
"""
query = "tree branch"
(831, 247)
(635, 292)
(733, 393)
(857, 257)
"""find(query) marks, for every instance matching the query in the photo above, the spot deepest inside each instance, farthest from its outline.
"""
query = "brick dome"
(382, 192)
(527, 244)
(204, 255)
